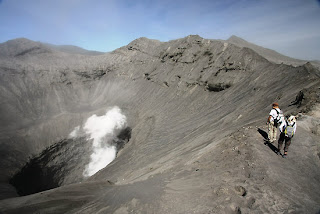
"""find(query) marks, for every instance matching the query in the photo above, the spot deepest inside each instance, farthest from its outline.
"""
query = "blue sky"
(291, 27)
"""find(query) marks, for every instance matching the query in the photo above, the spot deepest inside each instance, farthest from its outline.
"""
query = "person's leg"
(270, 132)
(280, 142)
(271, 136)
(286, 145)
(274, 134)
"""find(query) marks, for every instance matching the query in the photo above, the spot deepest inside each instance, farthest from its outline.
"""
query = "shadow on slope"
(266, 141)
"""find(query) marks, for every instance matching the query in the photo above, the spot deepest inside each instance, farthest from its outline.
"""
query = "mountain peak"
(144, 40)
(22, 46)
(234, 37)
(195, 37)
(237, 41)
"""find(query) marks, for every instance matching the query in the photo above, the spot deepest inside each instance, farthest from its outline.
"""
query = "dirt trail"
(242, 174)
(285, 185)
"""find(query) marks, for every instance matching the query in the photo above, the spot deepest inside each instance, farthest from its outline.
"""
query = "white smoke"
(102, 130)
(75, 132)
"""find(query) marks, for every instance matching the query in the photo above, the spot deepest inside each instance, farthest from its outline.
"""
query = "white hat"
(292, 120)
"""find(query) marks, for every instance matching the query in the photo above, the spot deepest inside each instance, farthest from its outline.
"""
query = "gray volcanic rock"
(197, 109)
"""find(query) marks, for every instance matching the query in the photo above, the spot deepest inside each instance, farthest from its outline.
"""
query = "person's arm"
(271, 115)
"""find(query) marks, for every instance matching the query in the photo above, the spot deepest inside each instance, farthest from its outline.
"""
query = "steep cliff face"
(190, 104)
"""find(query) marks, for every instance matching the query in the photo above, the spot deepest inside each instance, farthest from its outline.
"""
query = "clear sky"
(291, 27)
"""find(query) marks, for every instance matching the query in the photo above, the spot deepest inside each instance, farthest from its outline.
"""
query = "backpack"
(289, 131)
(279, 117)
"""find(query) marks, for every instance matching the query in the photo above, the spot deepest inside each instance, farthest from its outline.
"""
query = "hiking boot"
(284, 156)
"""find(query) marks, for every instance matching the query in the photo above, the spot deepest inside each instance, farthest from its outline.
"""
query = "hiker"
(274, 119)
(288, 129)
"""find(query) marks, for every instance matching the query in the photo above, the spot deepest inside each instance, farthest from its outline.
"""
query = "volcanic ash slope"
(196, 109)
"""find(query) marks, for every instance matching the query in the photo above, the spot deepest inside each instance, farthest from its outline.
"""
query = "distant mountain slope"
(25, 54)
(269, 54)
(73, 49)
(22, 46)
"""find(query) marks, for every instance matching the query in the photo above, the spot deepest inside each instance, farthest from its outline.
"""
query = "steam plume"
(102, 130)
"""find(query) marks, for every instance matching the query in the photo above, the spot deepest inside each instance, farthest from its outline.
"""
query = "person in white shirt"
(274, 119)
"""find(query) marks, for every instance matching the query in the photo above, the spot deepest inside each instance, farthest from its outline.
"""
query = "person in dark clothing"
(288, 129)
